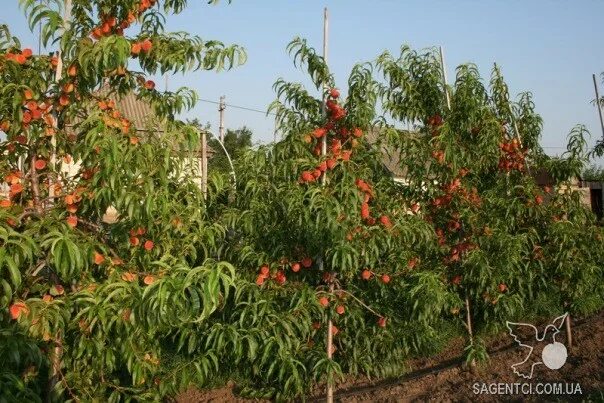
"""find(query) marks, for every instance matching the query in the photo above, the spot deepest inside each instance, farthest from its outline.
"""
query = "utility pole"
(221, 108)
(598, 103)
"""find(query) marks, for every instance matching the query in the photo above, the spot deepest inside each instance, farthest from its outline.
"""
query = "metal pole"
(221, 108)
(444, 70)
(598, 103)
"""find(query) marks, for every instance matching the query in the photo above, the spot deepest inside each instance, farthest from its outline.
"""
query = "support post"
(58, 77)
(323, 153)
(57, 353)
(325, 58)
(204, 164)
(330, 349)
(444, 71)
(598, 104)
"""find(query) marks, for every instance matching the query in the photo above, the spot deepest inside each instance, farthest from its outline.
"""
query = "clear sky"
(548, 47)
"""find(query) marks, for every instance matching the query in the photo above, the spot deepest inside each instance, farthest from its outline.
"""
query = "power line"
(239, 107)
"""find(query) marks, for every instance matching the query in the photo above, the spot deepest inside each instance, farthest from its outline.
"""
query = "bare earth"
(443, 378)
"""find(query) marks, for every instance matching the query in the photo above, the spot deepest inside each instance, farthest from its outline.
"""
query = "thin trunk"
(55, 362)
(569, 335)
(469, 326)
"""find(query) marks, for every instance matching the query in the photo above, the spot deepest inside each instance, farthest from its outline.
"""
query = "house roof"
(141, 114)
(137, 111)
(391, 158)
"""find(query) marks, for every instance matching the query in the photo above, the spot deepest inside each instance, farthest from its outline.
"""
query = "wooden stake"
(330, 350)
(57, 354)
(323, 178)
(325, 58)
(598, 104)
(58, 76)
(444, 71)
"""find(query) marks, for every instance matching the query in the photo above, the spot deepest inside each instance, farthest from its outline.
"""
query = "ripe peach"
(98, 258)
(72, 221)
(146, 45)
(135, 49)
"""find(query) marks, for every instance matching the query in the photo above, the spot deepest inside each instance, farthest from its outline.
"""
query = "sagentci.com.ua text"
(549, 388)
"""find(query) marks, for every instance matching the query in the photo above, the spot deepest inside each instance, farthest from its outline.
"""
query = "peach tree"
(508, 248)
(328, 240)
(100, 309)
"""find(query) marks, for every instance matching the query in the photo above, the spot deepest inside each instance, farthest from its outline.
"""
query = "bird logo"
(553, 354)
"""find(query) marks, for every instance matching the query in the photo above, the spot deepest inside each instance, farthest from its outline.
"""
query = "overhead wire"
(238, 107)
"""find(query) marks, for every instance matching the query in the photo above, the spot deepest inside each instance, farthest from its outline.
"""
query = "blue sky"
(550, 48)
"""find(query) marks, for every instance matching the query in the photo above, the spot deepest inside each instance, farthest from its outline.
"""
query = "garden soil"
(444, 378)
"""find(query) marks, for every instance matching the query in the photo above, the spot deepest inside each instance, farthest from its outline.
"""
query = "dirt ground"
(444, 379)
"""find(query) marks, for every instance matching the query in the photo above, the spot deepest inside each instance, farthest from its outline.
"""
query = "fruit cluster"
(109, 24)
(135, 239)
(20, 58)
(14, 180)
(144, 46)
(113, 117)
(279, 276)
(34, 111)
(342, 140)
(512, 158)
(434, 123)
(367, 274)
